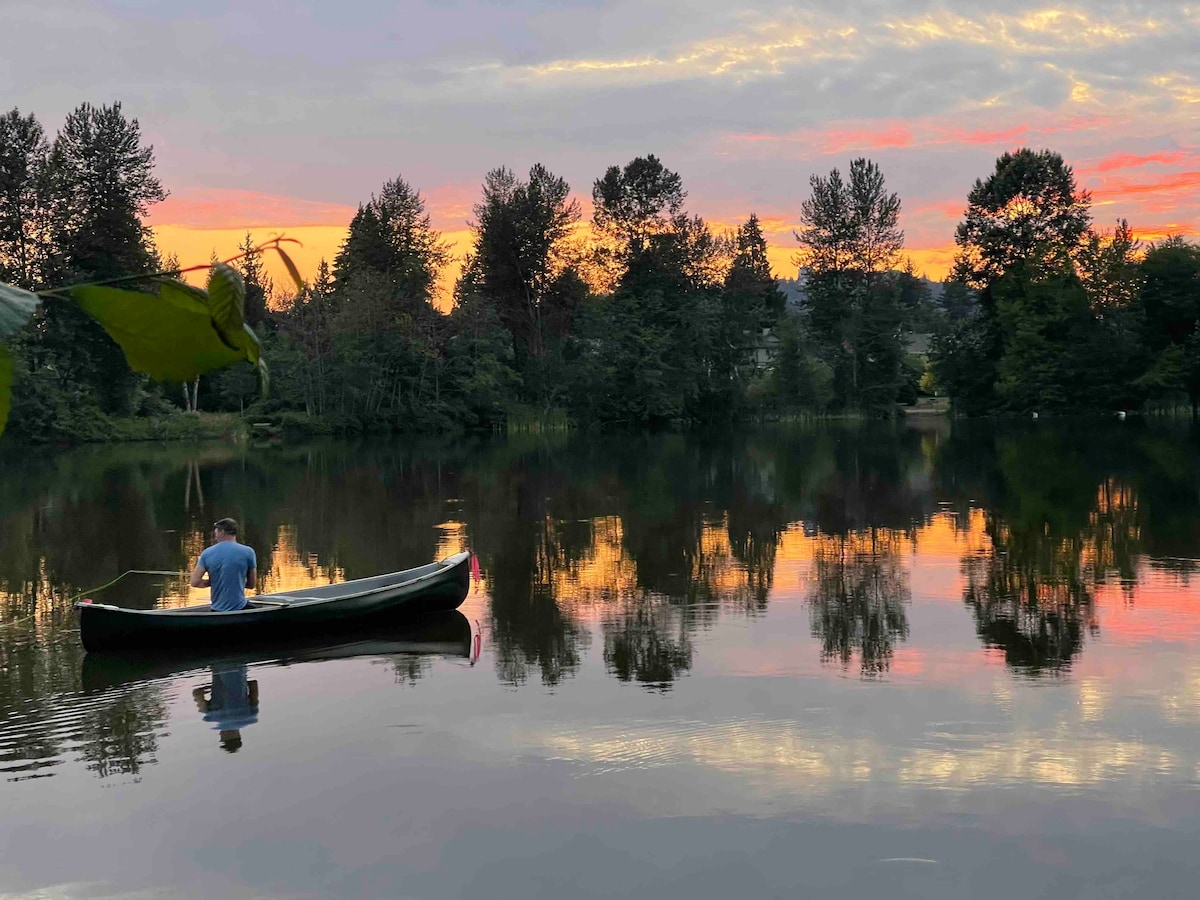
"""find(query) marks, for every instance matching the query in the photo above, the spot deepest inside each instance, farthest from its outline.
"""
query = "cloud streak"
(268, 122)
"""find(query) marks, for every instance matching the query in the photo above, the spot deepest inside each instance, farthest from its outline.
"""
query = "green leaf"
(247, 342)
(171, 337)
(291, 267)
(183, 293)
(5, 385)
(264, 377)
(16, 308)
(227, 302)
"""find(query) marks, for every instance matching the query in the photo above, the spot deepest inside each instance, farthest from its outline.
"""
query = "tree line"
(1063, 316)
(648, 317)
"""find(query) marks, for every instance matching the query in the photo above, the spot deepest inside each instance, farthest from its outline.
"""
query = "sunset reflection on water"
(861, 625)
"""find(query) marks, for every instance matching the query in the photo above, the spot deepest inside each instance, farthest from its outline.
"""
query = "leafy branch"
(176, 334)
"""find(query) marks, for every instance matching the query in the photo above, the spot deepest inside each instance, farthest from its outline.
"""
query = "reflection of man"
(228, 567)
(231, 704)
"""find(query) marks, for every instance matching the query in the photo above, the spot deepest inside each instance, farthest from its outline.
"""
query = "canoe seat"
(276, 600)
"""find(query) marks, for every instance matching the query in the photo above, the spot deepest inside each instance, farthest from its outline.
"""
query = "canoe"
(444, 634)
(320, 610)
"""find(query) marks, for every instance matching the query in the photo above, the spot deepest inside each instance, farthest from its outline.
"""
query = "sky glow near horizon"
(284, 116)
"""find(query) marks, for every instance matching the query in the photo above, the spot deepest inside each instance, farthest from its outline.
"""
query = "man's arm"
(251, 579)
(200, 577)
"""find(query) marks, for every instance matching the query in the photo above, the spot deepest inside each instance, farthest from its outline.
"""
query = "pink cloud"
(451, 205)
(948, 209)
(1116, 162)
(868, 139)
(1179, 182)
(215, 208)
(929, 131)
(981, 136)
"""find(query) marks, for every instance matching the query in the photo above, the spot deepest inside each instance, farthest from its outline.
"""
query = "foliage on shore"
(650, 319)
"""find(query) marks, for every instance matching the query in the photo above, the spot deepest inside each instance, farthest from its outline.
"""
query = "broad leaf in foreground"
(171, 337)
(16, 308)
(291, 267)
(227, 302)
(5, 385)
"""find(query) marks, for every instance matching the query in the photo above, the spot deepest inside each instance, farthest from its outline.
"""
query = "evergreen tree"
(750, 289)
(388, 335)
(24, 200)
(1109, 266)
(958, 300)
(259, 286)
(1169, 304)
(800, 380)
(103, 184)
(1043, 308)
(101, 181)
(1110, 269)
(522, 267)
(308, 325)
(751, 305)
(914, 300)
(391, 257)
(479, 358)
(849, 240)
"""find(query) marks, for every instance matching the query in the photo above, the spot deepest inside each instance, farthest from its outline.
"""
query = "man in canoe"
(228, 567)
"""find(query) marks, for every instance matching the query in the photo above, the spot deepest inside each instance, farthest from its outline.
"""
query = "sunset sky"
(281, 117)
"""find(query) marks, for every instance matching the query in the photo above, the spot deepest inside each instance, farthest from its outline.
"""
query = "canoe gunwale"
(204, 611)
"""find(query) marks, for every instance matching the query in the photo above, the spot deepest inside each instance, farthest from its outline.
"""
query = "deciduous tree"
(1030, 205)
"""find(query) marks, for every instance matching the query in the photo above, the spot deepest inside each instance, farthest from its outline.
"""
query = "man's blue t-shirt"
(227, 563)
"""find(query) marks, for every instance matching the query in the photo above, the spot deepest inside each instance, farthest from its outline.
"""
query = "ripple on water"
(112, 732)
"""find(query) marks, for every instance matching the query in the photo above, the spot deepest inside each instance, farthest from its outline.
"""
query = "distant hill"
(794, 289)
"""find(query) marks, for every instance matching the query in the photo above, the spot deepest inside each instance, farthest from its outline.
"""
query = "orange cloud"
(1155, 233)
(932, 262)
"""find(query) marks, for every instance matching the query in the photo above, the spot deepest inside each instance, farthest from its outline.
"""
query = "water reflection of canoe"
(438, 634)
(436, 587)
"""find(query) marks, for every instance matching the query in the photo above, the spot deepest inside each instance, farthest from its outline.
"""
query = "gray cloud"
(325, 100)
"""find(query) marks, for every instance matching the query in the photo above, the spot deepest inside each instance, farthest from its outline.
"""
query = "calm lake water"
(912, 660)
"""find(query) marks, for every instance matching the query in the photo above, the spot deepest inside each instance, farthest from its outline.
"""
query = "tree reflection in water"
(119, 735)
(648, 643)
(857, 598)
(1030, 597)
(1061, 515)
